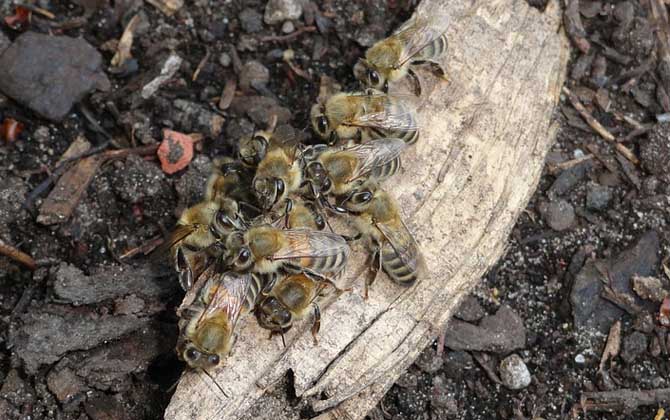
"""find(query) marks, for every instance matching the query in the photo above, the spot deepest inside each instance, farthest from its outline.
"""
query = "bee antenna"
(283, 341)
(215, 383)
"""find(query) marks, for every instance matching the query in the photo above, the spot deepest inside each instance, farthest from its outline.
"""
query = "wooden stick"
(18, 256)
(598, 128)
(289, 37)
(623, 399)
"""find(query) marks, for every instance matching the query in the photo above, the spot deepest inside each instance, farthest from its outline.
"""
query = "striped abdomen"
(256, 285)
(386, 171)
(432, 51)
(327, 264)
(401, 121)
(397, 268)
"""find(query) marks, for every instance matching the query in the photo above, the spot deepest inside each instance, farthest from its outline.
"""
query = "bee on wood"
(421, 40)
(278, 175)
(207, 323)
(266, 249)
(300, 213)
(230, 180)
(378, 220)
(289, 299)
(339, 171)
(363, 115)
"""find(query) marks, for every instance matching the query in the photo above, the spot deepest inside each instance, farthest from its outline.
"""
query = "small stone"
(514, 372)
(597, 196)
(65, 384)
(428, 361)
(559, 215)
(277, 11)
(225, 60)
(633, 345)
(502, 332)
(49, 74)
(649, 288)
(192, 117)
(288, 27)
(470, 310)
(409, 379)
(655, 152)
(254, 75)
(580, 359)
(42, 134)
(457, 364)
(251, 20)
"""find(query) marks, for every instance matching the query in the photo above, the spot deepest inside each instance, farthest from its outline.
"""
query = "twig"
(559, 167)
(623, 399)
(289, 37)
(144, 249)
(574, 26)
(202, 63)
(612, 346)
(18, 256)
(598, 128)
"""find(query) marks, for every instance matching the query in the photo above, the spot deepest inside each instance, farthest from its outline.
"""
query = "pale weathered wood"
(484, 138)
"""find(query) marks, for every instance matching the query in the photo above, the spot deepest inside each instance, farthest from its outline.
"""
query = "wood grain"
(484, 139)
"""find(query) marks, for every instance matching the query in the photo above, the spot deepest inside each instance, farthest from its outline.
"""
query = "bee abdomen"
(434, 50)
(329, 264)
(383, 172)
(396, 269)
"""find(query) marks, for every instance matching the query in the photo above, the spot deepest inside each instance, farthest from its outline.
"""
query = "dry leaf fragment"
(126, 43)
(10, 130)
(169, 7)
(20, 19)
(175, 152)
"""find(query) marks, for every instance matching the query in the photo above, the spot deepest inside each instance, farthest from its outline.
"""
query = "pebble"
(559, 215)
(580, 359)
(277, 11)
(49, 74)
(470, 310)
(253, 75)
(225, 60)
(655, 152)
(597, 196)
(503, 333)
(633, 345)
(288, 27)
(514, 372)
(251, 20)
(457, 364)
(649, 288)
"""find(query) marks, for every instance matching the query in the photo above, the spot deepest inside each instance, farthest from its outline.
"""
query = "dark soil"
(68, 350)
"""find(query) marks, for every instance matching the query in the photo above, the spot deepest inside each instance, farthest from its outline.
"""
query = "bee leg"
(321, 278)
(184, 269)
(415, 81)
(289, 207)
(317, 323)
(374, 270)
(269, 285)
(437, 69)
(352, 238)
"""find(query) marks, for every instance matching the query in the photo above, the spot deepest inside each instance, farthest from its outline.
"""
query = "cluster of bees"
(261, 243)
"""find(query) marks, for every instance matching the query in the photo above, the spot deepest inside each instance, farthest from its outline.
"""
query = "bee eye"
(223, 220)
(213, 359)
(374, 78)
(320, 223)
(322, 124)
(244, 256)
(192, 354)
(386, 86)
(281, 187)
(326, 184)
(363, 197)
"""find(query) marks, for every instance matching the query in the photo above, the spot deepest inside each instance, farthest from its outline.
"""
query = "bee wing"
(374, 154)
(179, 233)
(417, 33)
(402, 241)
(386, 113)
(229, 292)
(305, 243)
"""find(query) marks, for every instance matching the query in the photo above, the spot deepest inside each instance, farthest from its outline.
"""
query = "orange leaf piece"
(175, 152)
(19, 20)
(10, 129)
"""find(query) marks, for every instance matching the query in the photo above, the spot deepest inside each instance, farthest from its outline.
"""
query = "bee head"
(269, 191)
(369, 76)
(272, 315)
(317, 175)
(197, 359)
(253, 149)
(320, 122)
(358, 201)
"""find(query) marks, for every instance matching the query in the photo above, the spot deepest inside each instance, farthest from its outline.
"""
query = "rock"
(225, 60)
(288, 27)
(502, 333)
(428, 361)
(470, 310)
(106, 407)
(4, 42)
(589, 310)
(559, 215)
(169, 68)
(633, 345)
(191, 117)
(457, 364)
(597, 196)
(655, 152)
(650, 288)
(277, 11)
(12, 195)
(109, 282)
(251, 20)
(514, 372)
(45, 336)
(568, 179)
(259, 109)
(191, 186)
(138, 180)
(16, 390)
(49, 74)
(254, 75)
(65, 384)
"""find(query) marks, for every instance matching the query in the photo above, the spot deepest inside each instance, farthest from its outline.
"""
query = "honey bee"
(289, 299)
(342, 170)
(229, 181)
(378, 219)
(359, 115)
(266, 249)
(207, 324)
(300, 213)
(421, 40)
(278, 175)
